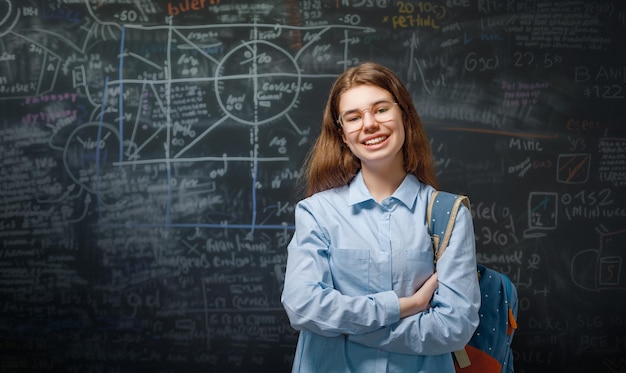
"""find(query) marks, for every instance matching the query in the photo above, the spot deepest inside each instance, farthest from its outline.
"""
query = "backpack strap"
(441, 215)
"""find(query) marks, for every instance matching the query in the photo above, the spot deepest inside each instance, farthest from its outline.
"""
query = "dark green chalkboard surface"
(149, 152)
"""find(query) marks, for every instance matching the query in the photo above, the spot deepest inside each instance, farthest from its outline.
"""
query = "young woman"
(360, 284)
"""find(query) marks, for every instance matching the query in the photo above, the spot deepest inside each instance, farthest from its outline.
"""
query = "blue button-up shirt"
(348, 262)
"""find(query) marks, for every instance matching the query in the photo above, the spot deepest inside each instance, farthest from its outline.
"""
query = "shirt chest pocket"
(419, 261)
(420, 257)
(350, 270)
(416, 269)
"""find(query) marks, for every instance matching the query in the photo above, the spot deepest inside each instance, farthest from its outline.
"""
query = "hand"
(419, 301)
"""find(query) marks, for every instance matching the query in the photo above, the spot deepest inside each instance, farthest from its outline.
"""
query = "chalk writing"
(151, 159)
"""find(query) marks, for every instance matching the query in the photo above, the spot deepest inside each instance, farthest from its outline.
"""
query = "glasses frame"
(363, 111)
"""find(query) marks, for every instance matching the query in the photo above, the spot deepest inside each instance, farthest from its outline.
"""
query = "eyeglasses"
(352, 120)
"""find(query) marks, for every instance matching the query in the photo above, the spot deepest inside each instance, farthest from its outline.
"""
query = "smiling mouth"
(376, 140)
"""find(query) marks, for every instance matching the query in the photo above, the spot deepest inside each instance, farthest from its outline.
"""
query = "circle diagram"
(89, 157)
(257, 82)
(8, 16)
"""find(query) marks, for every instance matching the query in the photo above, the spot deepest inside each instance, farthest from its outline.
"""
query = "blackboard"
(150, 152)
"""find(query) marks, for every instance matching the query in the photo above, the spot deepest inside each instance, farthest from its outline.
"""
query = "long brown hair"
(330, 163)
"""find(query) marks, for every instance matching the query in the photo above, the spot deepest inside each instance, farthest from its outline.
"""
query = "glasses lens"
(382, 111)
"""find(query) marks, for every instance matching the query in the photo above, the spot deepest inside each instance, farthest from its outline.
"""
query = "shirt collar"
(406, 193)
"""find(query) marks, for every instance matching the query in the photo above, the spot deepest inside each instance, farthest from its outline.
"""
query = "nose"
(368, 119)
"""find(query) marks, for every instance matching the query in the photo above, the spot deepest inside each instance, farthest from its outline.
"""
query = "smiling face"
(378, 144)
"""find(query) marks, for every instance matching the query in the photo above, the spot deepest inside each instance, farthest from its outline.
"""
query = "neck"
(382, 182)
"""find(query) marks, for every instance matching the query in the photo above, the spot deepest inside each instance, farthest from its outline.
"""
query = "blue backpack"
(489, 349)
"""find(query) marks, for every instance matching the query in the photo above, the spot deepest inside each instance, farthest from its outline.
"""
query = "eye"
(352, 118)
(382, 109)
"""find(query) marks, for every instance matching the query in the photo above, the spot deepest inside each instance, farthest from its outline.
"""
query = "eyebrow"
(380, 101)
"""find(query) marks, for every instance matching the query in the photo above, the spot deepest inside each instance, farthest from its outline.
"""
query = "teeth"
(375, 141)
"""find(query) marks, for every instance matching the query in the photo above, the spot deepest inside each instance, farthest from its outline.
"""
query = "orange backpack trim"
(481, 362)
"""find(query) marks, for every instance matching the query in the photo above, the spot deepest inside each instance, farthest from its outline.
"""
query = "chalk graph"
(190, 105)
